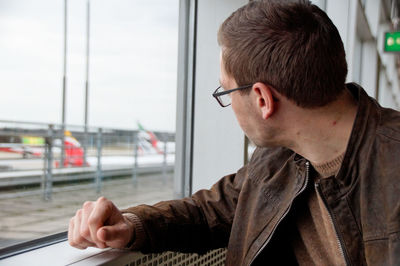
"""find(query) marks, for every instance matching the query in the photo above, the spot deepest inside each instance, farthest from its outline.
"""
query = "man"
(323, 185)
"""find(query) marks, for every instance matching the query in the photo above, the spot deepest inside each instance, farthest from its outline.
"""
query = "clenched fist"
(99, 224)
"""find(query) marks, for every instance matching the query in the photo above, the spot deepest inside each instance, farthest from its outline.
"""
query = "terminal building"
(209, 143)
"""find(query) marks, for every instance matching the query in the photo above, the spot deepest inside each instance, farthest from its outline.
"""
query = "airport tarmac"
(29, 217)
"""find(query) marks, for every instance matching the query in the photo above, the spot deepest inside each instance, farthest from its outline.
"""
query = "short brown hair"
(292, 46)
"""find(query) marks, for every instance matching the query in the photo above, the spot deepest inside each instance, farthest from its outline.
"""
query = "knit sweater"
(315, 241)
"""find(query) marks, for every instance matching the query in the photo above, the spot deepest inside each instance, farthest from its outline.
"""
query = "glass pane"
(127, 151)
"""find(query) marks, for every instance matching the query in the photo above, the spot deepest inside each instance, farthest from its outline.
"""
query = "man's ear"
(264, 99)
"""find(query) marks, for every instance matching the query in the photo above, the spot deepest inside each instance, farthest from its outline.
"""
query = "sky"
(133, 62)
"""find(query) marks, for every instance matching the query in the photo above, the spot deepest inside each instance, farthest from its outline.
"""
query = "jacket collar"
(361, 138)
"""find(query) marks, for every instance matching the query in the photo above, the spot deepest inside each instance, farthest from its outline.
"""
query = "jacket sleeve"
(193, 224)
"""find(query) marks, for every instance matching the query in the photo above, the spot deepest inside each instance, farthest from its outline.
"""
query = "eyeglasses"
(223, 97)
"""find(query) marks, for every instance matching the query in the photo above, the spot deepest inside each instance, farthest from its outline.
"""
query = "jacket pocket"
(384, 250)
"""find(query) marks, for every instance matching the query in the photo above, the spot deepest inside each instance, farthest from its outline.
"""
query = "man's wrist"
(138, 235)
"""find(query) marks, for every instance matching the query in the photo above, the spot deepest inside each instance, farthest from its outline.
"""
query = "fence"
(33, 154)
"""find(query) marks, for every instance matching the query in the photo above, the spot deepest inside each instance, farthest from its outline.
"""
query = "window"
(126, 152)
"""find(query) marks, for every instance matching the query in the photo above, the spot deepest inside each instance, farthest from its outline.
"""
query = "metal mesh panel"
(213, 257)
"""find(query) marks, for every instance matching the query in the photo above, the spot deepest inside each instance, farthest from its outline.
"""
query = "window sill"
(63, 254)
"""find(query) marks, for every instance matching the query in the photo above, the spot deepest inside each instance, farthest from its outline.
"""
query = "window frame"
(184, 123)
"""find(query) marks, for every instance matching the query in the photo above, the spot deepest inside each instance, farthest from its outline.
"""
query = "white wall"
(369, 68)
(218, 145)
(339, 12)
(362, 25)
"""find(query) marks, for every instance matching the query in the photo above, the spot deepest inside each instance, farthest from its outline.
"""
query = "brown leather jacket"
(250, 211)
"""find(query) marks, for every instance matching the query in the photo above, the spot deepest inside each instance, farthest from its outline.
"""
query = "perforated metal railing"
(214, 257)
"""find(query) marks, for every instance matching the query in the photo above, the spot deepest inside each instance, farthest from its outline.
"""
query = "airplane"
(147, 140)
(73, 151)
(29, 146)
(34, 147)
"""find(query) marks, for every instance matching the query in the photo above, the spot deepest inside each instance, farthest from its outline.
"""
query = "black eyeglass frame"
(217, 94)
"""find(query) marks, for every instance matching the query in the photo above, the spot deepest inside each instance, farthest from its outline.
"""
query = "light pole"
(87, 82)
(64, 86)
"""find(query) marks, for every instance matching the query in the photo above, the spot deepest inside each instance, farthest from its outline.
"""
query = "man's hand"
(99, 224)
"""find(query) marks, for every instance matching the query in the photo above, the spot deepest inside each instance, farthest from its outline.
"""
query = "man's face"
(249, 117)
(241, 103)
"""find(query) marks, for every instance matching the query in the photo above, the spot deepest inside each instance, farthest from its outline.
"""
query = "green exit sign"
(392, 42)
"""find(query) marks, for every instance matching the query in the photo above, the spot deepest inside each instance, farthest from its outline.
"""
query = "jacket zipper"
(284, 214)
(338, 240)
